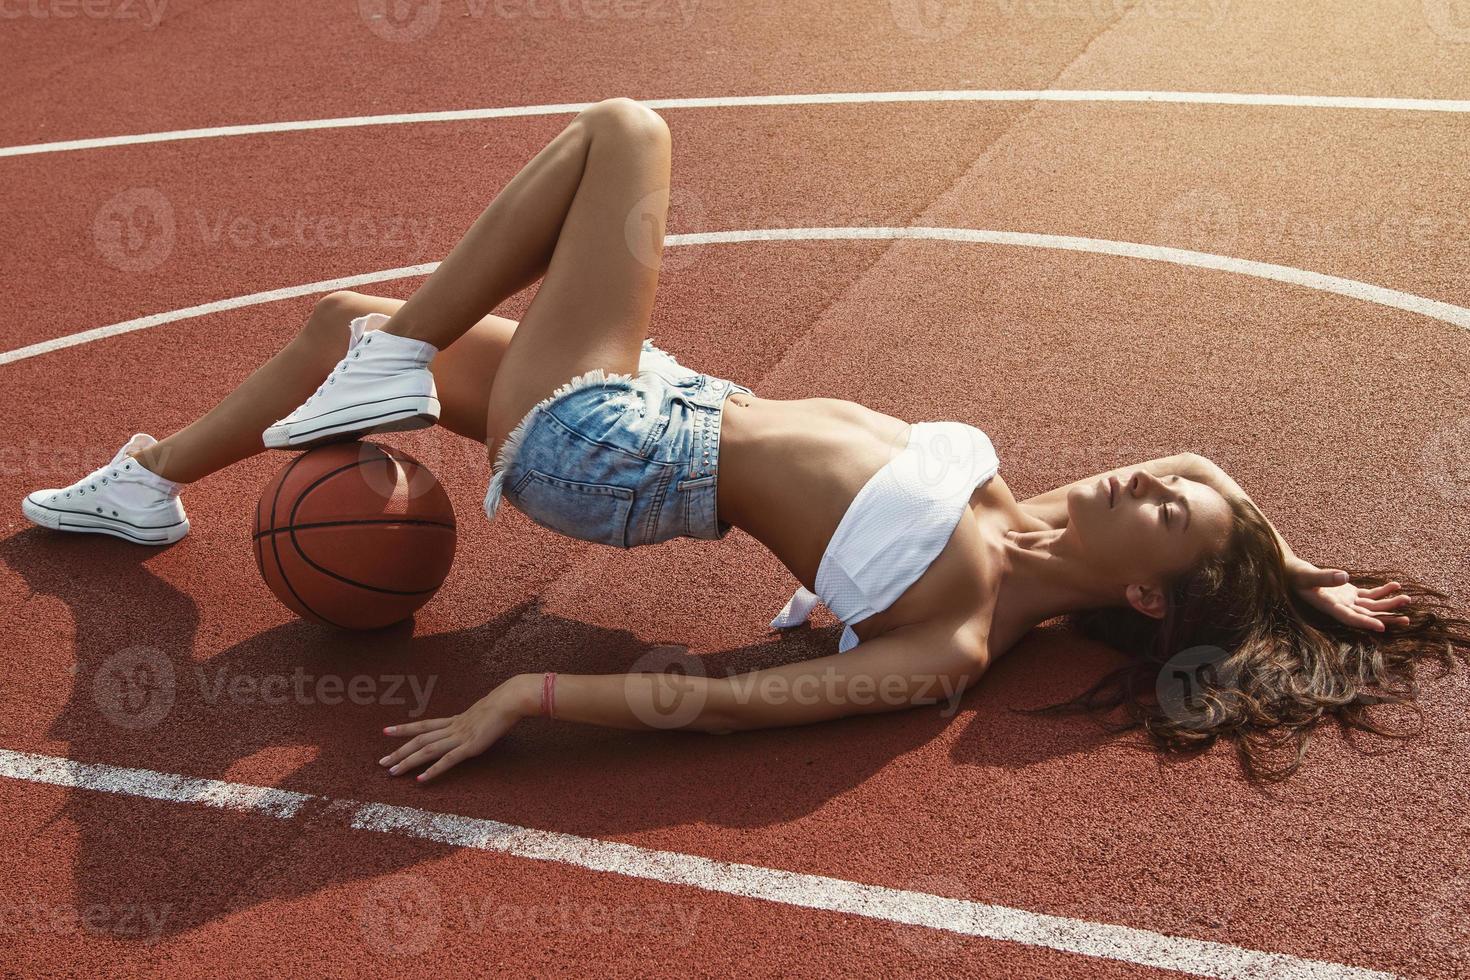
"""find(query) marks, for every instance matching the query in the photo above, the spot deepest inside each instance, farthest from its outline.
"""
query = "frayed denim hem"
(506, 455)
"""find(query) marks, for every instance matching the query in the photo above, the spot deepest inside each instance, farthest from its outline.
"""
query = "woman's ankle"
(154, 459)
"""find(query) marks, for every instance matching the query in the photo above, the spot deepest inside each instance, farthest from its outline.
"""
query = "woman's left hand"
(448, 741)
(1329, 590)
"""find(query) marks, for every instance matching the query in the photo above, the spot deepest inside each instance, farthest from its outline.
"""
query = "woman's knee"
(331, 316)
(626, 117)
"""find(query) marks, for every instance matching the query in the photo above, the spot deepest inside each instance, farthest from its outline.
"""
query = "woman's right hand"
(1354, 606)
(449, 741)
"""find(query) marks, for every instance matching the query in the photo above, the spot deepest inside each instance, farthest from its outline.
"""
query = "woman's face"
(1144, 528)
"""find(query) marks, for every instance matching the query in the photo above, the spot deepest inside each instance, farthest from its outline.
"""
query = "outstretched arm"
(1327, 589)
(921, 664)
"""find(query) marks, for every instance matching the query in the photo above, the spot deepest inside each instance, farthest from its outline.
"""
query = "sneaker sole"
(74, 522)
(417, 412)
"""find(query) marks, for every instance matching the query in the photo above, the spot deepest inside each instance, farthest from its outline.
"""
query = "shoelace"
(91, 480)
(341, 367)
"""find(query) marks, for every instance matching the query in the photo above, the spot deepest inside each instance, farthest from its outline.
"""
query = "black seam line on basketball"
(280, 568)
(344, 408)
(258, 547)
(114, 530)
(373, 520)
(291, 528)
(103, 517)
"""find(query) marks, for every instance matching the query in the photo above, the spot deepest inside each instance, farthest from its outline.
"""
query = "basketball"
(354, 535)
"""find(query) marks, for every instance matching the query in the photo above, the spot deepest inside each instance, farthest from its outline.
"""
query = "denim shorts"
(618, 459)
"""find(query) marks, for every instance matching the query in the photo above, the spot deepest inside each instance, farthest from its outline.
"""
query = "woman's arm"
(924, 663)
(1198, 468)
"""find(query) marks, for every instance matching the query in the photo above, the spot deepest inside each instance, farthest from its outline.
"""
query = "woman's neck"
(1043, 576)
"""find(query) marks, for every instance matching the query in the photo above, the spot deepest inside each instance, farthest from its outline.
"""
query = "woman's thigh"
(592, 308)
(464, 372)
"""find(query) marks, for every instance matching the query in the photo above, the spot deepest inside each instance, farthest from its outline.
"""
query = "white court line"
(733, 101)
(1113, 942)
(1409, 302)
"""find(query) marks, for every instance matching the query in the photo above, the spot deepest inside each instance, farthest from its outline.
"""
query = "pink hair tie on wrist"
(548, 694)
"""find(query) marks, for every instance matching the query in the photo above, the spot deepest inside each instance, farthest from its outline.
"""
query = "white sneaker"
(382, 385)
(122, 499)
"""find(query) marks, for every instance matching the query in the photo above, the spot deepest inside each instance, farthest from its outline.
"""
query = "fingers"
(413, 745)
(1379, 605)
(446, 761)
(1324, 576)
(431, 751)
(1379, 592)
(418, 727)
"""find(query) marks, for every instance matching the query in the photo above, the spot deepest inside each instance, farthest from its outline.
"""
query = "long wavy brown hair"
(1238, 655)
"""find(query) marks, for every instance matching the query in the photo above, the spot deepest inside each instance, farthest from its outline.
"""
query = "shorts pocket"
(596, 512)
(698, 504)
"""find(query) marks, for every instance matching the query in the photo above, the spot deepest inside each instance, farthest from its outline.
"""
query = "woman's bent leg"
(230, 431)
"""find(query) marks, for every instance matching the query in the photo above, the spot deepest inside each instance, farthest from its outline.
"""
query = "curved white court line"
(320, 814)
(1409, 302)
(731, 101)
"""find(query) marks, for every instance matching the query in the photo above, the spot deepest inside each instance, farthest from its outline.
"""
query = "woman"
(907, 532)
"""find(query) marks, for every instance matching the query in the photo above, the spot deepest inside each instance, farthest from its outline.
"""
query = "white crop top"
(897, 525)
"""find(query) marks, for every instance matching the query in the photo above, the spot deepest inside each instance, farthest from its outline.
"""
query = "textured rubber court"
(1101, 231)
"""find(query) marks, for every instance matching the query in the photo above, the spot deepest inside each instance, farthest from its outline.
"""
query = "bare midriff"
(788, 469)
